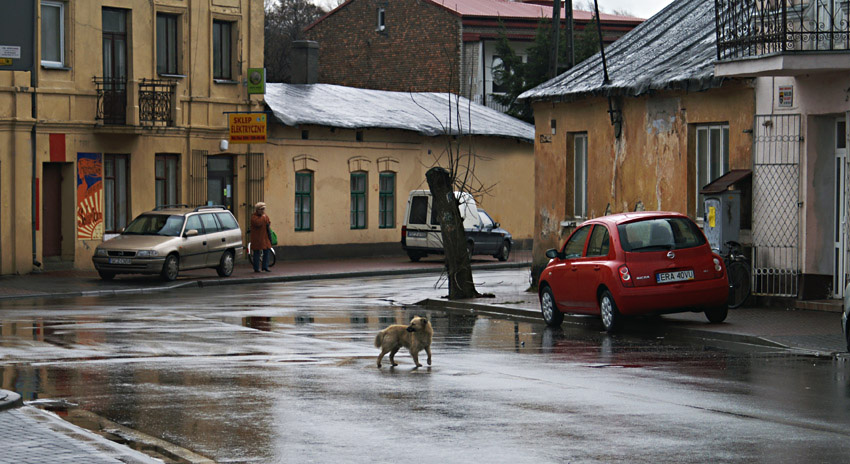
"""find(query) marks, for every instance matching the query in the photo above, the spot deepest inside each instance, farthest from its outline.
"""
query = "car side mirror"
(496, 225)
(191, 233)
(553, 253)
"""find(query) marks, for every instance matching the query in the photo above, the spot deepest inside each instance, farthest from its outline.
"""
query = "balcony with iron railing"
(155, 102)
(782, 37)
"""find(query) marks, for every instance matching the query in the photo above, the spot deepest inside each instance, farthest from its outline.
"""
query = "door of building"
(220, 181)
(840, 227)
(51, 211)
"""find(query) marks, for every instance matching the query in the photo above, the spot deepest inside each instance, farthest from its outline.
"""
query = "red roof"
(507, 9)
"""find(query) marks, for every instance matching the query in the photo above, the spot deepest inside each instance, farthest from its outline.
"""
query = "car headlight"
(146, 253)
(101, 252)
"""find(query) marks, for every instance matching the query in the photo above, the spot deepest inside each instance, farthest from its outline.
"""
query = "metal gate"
(198, 178)
(256, 167)
(776, 204)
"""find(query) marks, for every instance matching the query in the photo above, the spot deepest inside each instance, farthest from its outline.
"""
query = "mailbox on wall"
(722, 221)
(724, 199)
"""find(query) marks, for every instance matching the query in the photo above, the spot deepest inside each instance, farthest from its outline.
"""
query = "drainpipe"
(33, 86)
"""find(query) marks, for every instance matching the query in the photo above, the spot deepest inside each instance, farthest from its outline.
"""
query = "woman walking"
(260, 233)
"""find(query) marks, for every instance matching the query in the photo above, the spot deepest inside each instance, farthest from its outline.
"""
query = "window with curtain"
(580, 175)
(386, 202)
(52, 34)
(358, 200)
(712, 158)
(167, 48)
(166, 175)
(222, 49)
(116, 192)
(303, 200)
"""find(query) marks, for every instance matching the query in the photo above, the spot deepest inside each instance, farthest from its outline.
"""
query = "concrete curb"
(9, 400)
(681, 332)
(255, 280)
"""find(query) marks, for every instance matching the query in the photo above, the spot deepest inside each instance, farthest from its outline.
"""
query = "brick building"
(431, 45)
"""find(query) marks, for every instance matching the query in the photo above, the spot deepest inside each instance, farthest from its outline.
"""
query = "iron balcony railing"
(752, 28)
(156, 97)
(111, 100)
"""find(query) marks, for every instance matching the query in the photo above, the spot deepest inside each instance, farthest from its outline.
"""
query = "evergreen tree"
(517, 77)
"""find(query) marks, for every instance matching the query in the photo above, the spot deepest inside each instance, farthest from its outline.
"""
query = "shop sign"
(247, 127)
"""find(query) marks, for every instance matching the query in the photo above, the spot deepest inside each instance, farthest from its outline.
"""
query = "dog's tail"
(379, 339)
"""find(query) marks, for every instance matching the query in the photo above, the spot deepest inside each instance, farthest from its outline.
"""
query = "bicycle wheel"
(739, 283)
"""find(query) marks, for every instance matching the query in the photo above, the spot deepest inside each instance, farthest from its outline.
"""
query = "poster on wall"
(89, 196)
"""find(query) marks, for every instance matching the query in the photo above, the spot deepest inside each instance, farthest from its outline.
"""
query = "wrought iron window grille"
(156, 97)
(111, 100)
(752, 28)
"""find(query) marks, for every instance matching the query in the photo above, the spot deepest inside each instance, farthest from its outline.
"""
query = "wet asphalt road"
(286, 373)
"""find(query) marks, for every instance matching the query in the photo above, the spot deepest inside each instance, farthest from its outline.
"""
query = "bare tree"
(454, 171)
(284, 23)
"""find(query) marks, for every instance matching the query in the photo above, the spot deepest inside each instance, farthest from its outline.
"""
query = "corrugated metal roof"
(427, 113)
(506, 9)
(675, 49)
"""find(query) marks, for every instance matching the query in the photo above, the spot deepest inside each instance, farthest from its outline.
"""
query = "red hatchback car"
(634, 264)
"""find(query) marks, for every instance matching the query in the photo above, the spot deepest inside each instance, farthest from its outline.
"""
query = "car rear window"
(418, 210)
(660, 234)
(227, 221)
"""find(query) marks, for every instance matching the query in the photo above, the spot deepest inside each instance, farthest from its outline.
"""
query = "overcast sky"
(641, 9)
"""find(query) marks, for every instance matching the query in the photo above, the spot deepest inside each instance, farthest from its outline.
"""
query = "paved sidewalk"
(87, 283)
(31, 435)
(802, 331)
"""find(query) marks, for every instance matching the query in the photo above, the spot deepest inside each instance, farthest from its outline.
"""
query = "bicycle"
(249, 255)
(738, 270)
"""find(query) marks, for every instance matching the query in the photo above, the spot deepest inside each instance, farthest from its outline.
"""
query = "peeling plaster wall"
(651, 164)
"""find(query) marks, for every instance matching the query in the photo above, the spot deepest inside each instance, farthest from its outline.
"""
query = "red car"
(634, 264)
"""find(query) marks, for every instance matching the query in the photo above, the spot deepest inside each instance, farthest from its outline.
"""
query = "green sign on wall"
(256, 81)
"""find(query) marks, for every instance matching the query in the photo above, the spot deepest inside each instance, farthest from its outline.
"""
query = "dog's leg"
(428, 350)
(381, 356)
(415, 355)
(392, 356)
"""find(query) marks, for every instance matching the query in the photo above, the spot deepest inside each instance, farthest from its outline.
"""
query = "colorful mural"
(89, 196)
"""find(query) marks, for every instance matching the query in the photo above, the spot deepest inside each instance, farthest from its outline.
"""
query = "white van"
(421, 234)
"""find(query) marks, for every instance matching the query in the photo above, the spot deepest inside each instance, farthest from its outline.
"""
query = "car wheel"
(717, 315)
(225, 267)
(171, 268)
(504, 251)
(551, 314)
(611, 317)
(106, 275)
(415, 257)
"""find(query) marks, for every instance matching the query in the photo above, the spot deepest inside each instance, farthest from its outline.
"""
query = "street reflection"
(230, 387)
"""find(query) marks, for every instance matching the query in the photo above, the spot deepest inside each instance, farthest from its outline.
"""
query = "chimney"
(305, 62)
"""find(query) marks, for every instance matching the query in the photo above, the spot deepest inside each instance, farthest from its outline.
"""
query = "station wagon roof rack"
(162, 207)
(201, 208)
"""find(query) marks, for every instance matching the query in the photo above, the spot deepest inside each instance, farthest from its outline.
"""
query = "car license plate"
(678, 276)
(416, 234)
(119, 260)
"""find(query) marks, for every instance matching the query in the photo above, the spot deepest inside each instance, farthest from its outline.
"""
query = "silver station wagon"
(170, 239)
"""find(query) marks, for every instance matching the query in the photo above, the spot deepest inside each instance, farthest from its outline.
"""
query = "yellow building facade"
(131, 99)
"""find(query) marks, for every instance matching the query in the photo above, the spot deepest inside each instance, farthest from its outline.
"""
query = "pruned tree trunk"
(458, 268)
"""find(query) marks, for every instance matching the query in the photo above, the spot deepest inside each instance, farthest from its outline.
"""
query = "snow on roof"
(508, 9)
(675, 49)
(424, 112)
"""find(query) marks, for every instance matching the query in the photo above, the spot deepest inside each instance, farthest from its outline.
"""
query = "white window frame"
(705, 131)
(61, 62)
(382, 19)
(580, 175)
